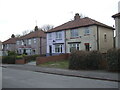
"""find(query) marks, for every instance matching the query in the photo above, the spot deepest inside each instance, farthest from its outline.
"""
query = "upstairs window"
(58, 35)
(50, 36)
(74, 33)
(105, 37)
(87, 31)
(17, 42)
(29, 41)
(34, 40)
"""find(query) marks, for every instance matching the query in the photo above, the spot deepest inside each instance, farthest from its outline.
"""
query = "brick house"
(32, 43)
(9, 45)
(80, 34)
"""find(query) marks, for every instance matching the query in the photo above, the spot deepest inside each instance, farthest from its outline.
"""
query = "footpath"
(91, 74)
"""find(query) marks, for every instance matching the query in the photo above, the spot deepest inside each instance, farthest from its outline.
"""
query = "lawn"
(56, 64)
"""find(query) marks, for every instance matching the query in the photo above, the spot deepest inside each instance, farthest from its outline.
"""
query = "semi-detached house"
(80, 34)
(32, 43)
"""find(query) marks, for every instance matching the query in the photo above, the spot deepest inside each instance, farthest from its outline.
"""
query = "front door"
(50, 50)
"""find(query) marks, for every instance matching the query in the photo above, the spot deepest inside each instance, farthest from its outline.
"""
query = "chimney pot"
(77, 16)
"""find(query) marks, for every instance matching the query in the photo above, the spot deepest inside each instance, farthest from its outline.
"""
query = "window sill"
(74, 37)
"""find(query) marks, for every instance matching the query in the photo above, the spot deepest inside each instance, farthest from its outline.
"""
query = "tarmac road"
(13, 78)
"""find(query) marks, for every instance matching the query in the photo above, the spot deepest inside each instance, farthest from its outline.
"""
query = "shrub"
(8, 59)
(113, 60)
(11, 53)
(19, 57)
(93, 60)
(85, 60)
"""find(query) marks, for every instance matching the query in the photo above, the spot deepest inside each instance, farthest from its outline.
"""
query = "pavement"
(91, 74)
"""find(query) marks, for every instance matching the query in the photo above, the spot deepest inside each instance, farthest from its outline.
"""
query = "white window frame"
(17, 42)
(87, 31)
(58, 35)
(29, 41)
(74, 33)
(34, 40)
(58, 48)
(75, 46)
(50, 36)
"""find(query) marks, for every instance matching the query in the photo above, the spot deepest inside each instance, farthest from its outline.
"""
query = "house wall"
(105, 44)
(53, 38)
(91, 39)
(33, 46)
(117, 26)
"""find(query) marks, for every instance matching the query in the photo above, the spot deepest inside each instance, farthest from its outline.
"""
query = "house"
(117, 26)
(0, 52)
(79, 34)
(9, 45)
(32, 43)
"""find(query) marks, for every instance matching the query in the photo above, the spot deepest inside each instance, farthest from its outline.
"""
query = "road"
(13, 78)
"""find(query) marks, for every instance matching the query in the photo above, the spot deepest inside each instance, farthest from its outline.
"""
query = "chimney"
(77, 16)
(12, 36)
(36, 28)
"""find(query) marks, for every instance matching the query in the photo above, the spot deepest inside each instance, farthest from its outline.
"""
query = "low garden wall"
(20, 61)
(40, 60)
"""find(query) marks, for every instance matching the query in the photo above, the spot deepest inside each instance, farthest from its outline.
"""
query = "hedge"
(113, 60)
(8, 59)
(85, 60)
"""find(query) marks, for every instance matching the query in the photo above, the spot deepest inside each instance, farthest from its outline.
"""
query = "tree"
(47, 27)
(25, 32)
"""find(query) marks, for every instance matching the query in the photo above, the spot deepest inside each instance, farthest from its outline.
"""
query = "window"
(74, 33)
(22, 42)
(58, 48)
(87, 46)
(58, 35)
(34, 40)
(87, 31)
(29, 41)
(50, 36)
(74, 46)
(17, 42)
(105, 37)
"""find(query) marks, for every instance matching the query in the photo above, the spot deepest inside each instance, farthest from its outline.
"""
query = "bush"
(85, 60)
(19, 57)
(12, 53)
(8, 59)
(113, 60)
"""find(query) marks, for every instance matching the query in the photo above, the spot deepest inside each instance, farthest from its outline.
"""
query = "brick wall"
(20, 61)
(40, 60)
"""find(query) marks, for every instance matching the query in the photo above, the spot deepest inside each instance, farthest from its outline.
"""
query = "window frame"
(74, 33)
(58, 35)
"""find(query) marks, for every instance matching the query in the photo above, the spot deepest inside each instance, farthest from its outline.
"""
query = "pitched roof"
(10, 41)
(116, 15)
(82, 22)
(34, 34)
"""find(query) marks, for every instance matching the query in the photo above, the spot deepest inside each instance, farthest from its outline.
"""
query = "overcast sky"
(17, 16)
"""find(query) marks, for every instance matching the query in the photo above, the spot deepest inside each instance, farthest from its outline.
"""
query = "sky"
(17, 16)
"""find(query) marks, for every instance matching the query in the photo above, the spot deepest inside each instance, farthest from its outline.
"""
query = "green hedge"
(113, 60)
(85, 60)
(8, 59)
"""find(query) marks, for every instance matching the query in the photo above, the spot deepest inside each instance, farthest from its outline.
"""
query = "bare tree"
(47, 27)
(25, 32)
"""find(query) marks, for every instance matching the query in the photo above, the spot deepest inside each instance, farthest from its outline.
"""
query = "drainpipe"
(65, 41)
(97, 37)
(40, 45)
